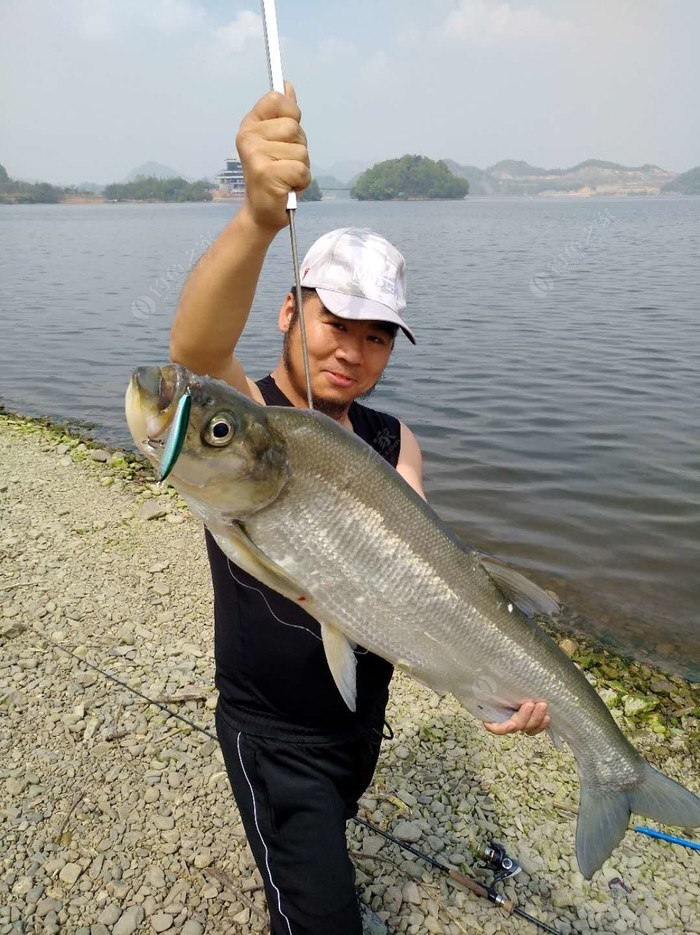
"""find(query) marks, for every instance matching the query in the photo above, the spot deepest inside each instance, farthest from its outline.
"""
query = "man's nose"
(350, 349)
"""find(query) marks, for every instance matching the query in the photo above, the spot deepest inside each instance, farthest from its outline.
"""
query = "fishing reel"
(496, 859)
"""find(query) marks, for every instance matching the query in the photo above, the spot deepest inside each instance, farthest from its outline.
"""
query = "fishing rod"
(274, 64)
(495, 858)
(178, 429)
(671, 838)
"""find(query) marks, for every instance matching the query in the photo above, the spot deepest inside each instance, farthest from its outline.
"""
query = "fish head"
(232, 463)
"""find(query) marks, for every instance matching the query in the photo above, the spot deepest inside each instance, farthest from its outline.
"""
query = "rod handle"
(274, 62)
(478, 889)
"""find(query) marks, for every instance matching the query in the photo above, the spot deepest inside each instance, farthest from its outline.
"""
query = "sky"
(89, 89)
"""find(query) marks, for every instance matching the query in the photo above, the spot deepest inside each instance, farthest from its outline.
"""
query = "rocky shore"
(117, 818)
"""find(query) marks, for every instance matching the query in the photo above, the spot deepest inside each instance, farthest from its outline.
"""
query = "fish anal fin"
(527, 596)
(342, 663)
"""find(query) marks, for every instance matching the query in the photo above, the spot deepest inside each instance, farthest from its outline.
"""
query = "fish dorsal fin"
(527, 596)
(342, 663)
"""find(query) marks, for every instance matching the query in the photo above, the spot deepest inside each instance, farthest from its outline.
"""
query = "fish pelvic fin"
(342, 663)
(527, 596)
(603, 816)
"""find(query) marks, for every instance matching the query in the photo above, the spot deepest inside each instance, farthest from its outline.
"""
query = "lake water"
(555, 388)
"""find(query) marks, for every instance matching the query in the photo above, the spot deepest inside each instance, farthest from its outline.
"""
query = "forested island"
(410, 178)
(312, 193)
(686, 184)
(13, 191)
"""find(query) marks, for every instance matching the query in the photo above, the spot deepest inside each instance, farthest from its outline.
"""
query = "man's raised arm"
(219, 292)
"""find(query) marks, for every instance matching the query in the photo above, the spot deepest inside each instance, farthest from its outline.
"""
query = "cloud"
(333, 51)
(479, 22)
(175, 15)
(236, 35)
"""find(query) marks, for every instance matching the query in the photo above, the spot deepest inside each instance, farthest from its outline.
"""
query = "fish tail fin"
(604, 816)
(602, 821)
(663, 799)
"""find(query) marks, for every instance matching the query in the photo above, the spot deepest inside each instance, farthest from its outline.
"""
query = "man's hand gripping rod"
(274, 61)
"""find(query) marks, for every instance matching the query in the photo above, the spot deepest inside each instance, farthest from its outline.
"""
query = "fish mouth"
(151, 404)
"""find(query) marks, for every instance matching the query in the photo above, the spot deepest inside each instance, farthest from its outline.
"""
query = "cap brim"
(357, 308)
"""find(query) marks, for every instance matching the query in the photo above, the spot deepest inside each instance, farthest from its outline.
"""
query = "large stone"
(408, 831)
(639, 704)
(70, 873)
(110, 914)
(129, 921)
(192, 927)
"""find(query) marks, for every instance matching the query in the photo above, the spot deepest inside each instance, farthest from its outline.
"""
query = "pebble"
(129, 921)
(151, 509)
(161, 921)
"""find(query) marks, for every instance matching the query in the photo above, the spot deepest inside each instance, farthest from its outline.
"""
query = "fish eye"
(219, 430)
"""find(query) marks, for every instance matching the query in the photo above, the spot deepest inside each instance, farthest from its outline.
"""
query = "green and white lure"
(176, 435)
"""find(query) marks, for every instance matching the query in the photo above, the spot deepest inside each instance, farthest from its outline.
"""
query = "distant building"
(231, 179)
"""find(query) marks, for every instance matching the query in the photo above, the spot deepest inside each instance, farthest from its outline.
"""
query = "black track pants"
(294, 799)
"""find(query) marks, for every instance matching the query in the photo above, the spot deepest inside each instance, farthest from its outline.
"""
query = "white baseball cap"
(358, 275)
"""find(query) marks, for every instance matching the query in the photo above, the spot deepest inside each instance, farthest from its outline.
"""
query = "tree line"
(151, 188)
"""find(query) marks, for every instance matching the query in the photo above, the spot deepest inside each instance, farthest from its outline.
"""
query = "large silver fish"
(311, 510)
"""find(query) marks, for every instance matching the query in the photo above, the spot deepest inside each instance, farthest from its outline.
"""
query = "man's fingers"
(531, 718)
(279, 129)
(272, 105)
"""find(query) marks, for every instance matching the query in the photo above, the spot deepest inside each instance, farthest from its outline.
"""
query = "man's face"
(346, 358)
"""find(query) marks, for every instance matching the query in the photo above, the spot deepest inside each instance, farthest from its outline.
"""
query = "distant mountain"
(591, 177)
(688, 183)
(329, 182)
(153, 169)
(343, 172)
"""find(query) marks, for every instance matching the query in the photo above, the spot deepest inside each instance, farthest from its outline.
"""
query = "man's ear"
(286, 312)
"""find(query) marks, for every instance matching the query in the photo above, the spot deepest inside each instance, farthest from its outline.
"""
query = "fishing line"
(274, 64)
(293, 626)
(130, 688)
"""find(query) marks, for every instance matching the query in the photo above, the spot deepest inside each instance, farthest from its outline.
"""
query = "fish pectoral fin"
(235, 543)
(342, 663)
(527, 596)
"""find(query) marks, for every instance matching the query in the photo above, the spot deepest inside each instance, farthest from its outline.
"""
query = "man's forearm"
(218, 295)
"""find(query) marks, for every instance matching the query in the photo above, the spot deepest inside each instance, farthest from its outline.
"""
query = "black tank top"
(271, 669)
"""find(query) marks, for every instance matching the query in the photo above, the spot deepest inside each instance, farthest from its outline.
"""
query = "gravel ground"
(115, 818)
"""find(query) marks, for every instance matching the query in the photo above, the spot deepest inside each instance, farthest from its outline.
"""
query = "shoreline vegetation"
(410, 178)
(117, 815)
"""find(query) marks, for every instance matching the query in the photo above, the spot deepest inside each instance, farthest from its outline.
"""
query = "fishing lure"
(176, 436)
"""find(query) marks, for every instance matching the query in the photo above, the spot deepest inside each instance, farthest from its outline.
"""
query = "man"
(297, 758)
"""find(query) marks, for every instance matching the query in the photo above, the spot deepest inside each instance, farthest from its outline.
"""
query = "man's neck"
(281, 378)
